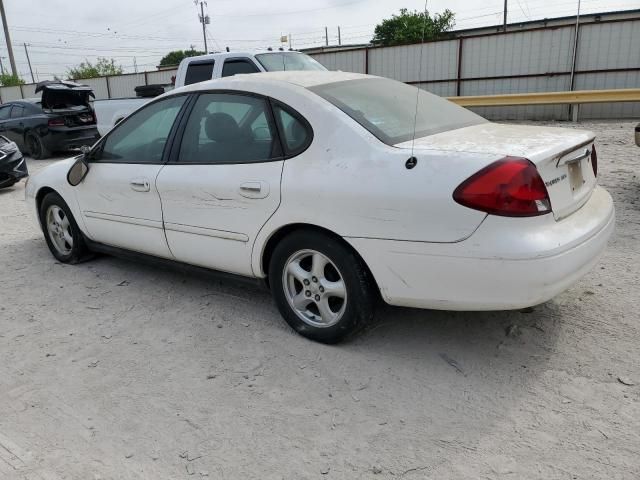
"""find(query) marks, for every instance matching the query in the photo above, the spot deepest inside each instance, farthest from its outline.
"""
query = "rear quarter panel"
(352, 184)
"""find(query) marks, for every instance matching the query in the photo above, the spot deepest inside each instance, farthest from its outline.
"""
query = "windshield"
(279, 61)
(387, 108)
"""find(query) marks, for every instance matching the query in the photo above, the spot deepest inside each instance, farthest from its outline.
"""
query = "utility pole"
(573, 109)
(290, 42)
(135, 65)
(7, 38)
(2, 65)
(326, 36)
(204, 20)
(26, 52)
(504, 23)
(339, 38)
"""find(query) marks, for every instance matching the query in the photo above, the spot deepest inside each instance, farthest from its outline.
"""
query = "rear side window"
(229, 128)
(199, 72)
(4, 112)
(295, 131)
(17, 111)
(234, 67)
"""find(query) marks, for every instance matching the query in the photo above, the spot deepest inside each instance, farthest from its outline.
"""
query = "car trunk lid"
(68, 101)
(562, 156)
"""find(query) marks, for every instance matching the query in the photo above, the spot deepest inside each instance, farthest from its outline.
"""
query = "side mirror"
(77, 172)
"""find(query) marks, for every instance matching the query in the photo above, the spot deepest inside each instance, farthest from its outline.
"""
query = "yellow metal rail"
(550, 98)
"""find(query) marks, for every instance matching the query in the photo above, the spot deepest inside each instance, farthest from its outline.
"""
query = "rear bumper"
(64, 138)
(508, 263)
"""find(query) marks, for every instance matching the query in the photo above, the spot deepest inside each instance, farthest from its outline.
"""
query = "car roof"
(221, 55)
(302, 78)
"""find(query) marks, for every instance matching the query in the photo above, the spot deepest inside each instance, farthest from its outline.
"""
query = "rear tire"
(36, 147)
(61, 231)
(323, 289)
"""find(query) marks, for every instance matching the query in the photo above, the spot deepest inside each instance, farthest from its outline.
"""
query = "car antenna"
(412, 161)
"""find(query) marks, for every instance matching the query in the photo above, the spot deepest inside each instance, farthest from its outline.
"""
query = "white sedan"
(338, 189)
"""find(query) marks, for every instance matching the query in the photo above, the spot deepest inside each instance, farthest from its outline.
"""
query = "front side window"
(279, 61)
(199, 72)
(141, 137)
(390, 109)
(235, 67)
(228, 128)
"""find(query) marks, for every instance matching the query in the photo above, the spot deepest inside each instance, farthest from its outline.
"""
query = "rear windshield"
(387, 108)
(277, 62)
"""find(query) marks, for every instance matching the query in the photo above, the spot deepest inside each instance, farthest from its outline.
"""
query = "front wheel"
(322, 288)
(61, 231)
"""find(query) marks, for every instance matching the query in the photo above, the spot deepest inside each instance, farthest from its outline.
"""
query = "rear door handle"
(140, 184)
(254, 189)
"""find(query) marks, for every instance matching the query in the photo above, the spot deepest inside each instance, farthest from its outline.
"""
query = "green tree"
(175, 57)
(407, 27)
(101, 68)
(7, 80)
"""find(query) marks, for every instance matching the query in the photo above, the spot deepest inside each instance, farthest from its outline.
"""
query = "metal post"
(504, 23)
(26, 52)
(204, 28)
(326, 36)
(290, 43)
(573, 109)
(459, 72)
(339, 38)
(7, 38)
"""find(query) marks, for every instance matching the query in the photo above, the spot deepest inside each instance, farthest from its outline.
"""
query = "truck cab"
(205, 67)
(218, 65)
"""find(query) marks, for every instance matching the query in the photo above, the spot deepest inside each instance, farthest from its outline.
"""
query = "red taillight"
(510, 187)
(594, 161)
(56, 122)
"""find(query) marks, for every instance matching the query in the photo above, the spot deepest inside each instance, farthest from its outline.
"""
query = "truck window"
(199, 72)
(234, 67)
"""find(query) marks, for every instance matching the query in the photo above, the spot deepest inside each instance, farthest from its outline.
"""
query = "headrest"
(221, 127)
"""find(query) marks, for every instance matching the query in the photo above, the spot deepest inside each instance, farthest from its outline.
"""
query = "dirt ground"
(119, 370)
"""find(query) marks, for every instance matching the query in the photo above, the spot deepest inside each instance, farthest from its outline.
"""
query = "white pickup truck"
(108, 112)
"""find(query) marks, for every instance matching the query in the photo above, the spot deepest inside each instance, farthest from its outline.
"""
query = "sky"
(62, 33)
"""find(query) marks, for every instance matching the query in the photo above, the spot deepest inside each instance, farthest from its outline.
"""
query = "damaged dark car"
(13, 166)
(63, 119)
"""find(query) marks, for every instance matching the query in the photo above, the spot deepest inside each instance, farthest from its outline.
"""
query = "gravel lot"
(118, 370)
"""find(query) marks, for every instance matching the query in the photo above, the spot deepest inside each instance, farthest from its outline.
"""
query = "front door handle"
(140, 184)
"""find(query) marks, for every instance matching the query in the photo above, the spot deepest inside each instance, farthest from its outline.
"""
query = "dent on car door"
(118, 197)
(223, 183)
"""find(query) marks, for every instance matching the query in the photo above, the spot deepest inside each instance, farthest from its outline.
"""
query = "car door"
(14, 127)
(118, 198)
(223, 181)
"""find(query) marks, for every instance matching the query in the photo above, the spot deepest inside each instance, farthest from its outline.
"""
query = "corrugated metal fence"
(117, 86)
(535, 60)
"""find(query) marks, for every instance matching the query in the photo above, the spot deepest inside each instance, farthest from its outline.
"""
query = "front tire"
(322, 288)
(61, 231)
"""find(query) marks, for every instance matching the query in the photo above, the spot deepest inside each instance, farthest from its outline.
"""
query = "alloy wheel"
(314, 288)
(59, 230)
